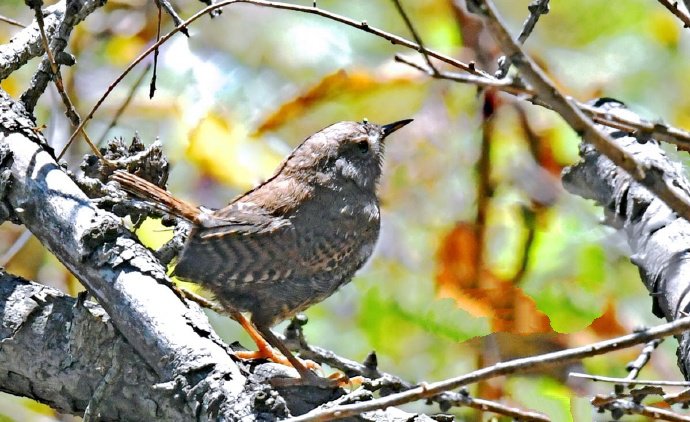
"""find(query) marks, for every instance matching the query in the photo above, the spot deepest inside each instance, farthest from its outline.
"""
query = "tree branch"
(657, 236)
(174, 338)
(27, 44)
(502, 368)
(46, 335)
(680, 14)
(676, 196)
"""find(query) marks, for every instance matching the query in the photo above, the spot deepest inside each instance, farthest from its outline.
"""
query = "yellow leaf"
(153, 234)
(664, 28)
(122, 50)
(229, 154)
(362, 85)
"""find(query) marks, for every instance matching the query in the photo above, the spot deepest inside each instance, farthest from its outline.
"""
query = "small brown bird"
(291, 241)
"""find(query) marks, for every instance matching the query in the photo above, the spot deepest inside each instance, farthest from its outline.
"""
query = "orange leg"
(265, 350)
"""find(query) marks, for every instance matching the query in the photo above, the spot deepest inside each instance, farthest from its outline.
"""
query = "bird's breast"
(337, 235)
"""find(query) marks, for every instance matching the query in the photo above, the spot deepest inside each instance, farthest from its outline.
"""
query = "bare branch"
(361, 25)
(116, 117)
(59, 22)
(173, 337)
(658, 130)
(656, 235)
(503, 368)
(76, 359)
(680, 14)
(415, 35)
(35, 89)
(620, 407)
(177, 20)
(677, 197)
(12, 21)
(642, 359)
(536, 9)
(16, 246)
(624, 381)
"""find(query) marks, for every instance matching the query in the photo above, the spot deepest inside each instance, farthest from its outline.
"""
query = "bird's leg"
(265, 351)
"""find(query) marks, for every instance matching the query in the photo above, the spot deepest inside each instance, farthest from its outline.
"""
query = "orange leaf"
(479, 292)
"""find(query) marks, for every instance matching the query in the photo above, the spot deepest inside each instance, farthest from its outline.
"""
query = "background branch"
(676, 195)
(26, 44)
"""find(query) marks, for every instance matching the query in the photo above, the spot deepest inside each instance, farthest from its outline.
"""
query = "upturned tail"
(148, 191)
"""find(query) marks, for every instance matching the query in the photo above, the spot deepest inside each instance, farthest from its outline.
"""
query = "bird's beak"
(392, 127)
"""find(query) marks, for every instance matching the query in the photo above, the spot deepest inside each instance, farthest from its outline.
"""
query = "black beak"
(392, 127)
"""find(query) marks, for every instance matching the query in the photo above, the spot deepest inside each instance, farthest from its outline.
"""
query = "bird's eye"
(363, 146)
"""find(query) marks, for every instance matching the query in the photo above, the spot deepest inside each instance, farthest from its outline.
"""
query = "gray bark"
(659, 238)
(26, 44)
(66, 353)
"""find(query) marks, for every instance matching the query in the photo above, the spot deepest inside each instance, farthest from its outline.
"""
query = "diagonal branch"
(172, 337)
(415, 35)
(677, 197)
(680, 14)
(502, 368)
(536, 9)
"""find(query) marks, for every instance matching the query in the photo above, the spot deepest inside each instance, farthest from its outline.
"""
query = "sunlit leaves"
(363, 91)
(225, 150)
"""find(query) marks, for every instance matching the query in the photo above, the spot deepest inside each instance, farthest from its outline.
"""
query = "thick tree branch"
(59, 350)
(659, 239)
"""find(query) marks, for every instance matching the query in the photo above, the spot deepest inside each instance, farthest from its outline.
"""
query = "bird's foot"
(269, 353)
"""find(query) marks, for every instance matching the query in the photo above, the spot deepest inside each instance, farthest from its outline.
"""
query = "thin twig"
(362, 25)
(680, 14)
(501, 409)
(629, 381)
(630, 407)
(125, 104)
(536, 9)
(658, 130)
(156, 52)
(12, 21)
(415, 35)
(294, 338)
(57, 77)
(675, 197)
(502, 368)
(478, 77)
(70, 111)
(177, 20)
(17, 246)
(636, 366)
(505, 84)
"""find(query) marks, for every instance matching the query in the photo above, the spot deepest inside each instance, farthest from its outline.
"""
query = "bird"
(291, 241)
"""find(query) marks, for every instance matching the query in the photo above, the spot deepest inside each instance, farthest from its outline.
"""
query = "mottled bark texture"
(659, 239)
(66, 353)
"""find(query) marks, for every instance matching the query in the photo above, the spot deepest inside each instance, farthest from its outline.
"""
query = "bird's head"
(349, 150)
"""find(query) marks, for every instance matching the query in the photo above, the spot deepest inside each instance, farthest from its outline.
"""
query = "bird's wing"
(239, 247)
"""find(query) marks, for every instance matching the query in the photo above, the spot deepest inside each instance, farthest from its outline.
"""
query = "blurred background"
(483, 256)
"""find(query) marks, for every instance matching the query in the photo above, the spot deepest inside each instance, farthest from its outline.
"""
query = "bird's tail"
(148, 191)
